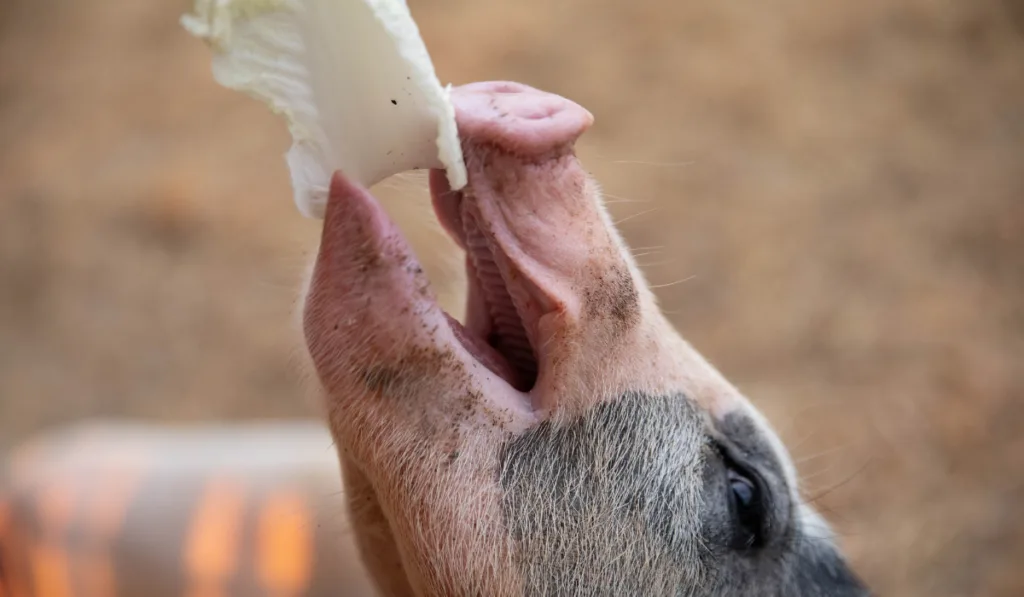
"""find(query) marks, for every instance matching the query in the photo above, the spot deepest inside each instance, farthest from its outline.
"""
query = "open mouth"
(495, 331)
(513, 220)
(527, 225)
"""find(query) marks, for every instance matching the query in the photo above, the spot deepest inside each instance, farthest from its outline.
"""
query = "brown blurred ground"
(831, 193)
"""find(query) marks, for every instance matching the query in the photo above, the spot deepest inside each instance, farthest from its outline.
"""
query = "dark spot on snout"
(613, 296)
(394, 102)
(408, 372)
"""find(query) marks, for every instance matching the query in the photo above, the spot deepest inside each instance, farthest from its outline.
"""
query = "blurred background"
(830, 196)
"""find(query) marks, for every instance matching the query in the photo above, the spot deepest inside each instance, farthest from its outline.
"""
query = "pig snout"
(563, 438)
(518, 119)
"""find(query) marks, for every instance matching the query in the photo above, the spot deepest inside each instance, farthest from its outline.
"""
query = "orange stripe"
(214, 538)
(50, 571)
(108, 508)
(285, 544)
(15, 563)
(5, 563)
(97, 574)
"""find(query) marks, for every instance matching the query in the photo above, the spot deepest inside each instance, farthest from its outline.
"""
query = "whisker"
(646, 253)
(849, 478)
(636, 215)
(649, 163)
(822, 453)
(650, 248)
(620, 199)
(807, 478)
(677, 282)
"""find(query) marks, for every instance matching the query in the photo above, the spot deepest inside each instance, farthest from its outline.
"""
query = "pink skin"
(420, 405)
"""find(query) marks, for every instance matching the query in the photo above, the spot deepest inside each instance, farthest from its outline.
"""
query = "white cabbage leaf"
(352, 78)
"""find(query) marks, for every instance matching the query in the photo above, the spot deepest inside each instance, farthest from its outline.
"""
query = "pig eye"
(747, 504)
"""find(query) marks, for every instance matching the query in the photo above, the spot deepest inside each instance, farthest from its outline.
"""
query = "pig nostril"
(507, 88)
(542, 112)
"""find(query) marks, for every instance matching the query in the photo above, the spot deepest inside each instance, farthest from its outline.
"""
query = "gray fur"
(631, 499)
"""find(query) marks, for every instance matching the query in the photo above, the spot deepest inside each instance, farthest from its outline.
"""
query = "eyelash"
(749, 513)
(750, 519)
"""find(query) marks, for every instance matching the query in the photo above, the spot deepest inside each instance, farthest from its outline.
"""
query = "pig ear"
(308, 62)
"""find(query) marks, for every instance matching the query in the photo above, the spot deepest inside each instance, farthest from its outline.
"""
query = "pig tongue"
(517, 141)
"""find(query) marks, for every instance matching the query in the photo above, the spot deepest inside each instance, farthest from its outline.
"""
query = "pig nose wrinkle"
(508, 335)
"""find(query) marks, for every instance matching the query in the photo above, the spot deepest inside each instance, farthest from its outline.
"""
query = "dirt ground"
(830, 195)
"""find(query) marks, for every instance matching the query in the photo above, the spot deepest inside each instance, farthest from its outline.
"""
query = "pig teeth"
(352, 78)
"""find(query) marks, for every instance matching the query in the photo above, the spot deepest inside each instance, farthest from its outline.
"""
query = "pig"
(563, 439)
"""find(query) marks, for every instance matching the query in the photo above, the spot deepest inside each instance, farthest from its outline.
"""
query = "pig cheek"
(444, 514)
(373, 532)
(426, 501)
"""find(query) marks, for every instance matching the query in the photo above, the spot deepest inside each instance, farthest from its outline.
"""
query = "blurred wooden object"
(126, 509)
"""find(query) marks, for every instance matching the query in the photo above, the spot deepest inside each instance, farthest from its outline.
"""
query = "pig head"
(564, 439)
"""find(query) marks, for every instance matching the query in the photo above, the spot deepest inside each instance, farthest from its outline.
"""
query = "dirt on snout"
(829, 197)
